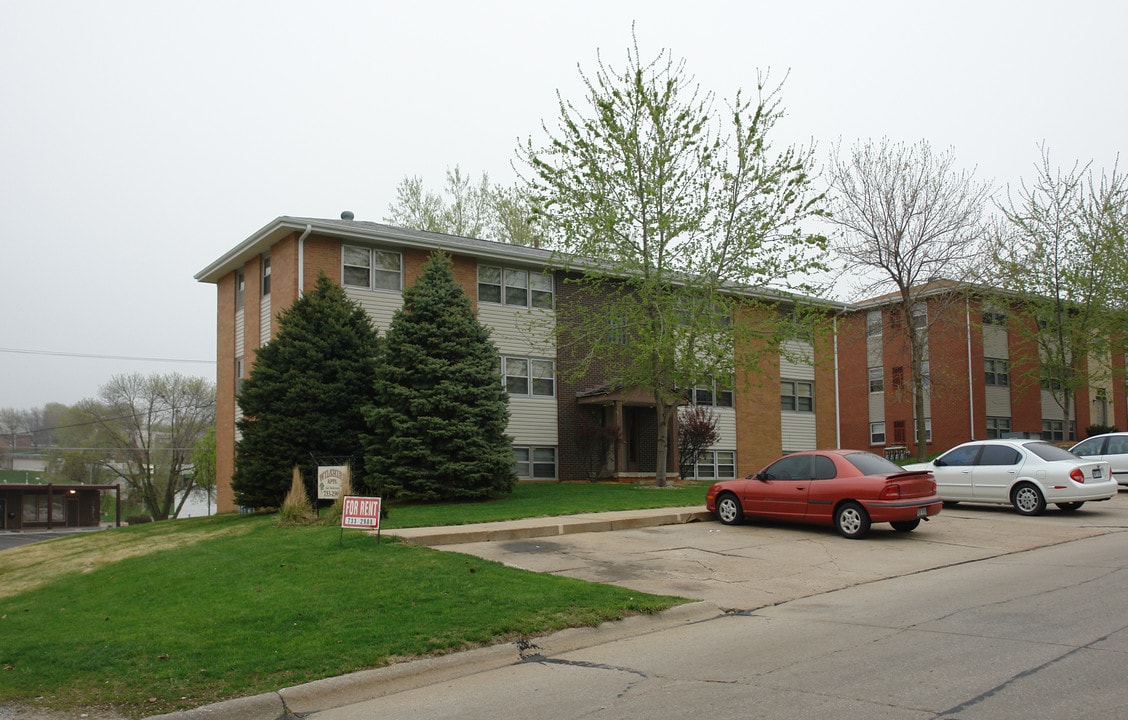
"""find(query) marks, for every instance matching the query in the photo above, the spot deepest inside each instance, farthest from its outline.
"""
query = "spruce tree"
(437, 427)
(305, 396)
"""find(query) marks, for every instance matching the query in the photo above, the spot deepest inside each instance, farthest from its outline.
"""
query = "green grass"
(173, 615)
(543, 499)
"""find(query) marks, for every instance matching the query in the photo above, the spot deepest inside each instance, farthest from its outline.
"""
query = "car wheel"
(728, 510)
(1070, 507)
(905, 525)
(852, 521)
(1027, 499)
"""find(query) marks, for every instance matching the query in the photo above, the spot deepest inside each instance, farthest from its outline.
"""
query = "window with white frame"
(797, 396)
(998, 427)
(873, 323)
(877, 433)
(876, 380)
(372, 268)
(994, 316)
(240, 289)
(535, 463)
(513, 286)
(265, 275)
(530, 377)
(238, 375)
(997, 372)
(715, 465)
(711, 394)
(1054, 430)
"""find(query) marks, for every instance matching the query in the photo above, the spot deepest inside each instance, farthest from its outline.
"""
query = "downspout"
(970, 371)
(837, 388)
(301, 259)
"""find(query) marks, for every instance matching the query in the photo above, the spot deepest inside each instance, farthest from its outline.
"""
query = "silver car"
(1110, 447)
(1027, 474)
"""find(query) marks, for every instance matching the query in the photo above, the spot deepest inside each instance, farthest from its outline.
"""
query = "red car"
(849, 489)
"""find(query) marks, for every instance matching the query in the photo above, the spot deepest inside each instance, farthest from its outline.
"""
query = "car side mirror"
(939, 463)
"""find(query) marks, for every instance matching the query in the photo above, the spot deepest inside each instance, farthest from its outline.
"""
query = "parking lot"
(754, 565)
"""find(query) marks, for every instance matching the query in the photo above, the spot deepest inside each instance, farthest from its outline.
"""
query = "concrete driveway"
(745, 567)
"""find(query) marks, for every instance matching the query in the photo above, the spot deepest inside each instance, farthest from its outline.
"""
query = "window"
(797, 396)
(877, 433)
(715, 464)
(510, 286)
(240, 287)
(711, 394)
(997, 372)
(265, 275)
(994, 316)
(998, 427)
(1053, 430)
(999, 455)
(528, 376)
(372, 268)
(920, 316)
(873, 323)
(238, 375)
(538, 463)
(876, 381)
(960, 457)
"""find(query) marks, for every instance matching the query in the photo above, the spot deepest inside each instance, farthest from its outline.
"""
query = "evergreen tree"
(440, 413)
(306, 394)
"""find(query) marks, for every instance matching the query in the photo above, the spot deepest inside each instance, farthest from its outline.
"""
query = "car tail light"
(891, 491)
(1076, 475)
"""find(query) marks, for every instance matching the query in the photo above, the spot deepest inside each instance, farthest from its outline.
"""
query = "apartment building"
(981, 373)
(787, 403)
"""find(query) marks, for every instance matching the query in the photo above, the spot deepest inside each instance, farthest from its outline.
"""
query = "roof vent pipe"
(347, 215)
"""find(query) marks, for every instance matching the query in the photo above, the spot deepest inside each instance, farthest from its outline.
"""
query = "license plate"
(1096, 473)
(922, 512)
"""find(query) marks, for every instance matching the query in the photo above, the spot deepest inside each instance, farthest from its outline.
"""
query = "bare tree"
(908, 217)
(149, 426)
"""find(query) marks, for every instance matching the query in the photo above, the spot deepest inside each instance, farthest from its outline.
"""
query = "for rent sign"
(360, 512)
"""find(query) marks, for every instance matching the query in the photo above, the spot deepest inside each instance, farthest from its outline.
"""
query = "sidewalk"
(549, 526)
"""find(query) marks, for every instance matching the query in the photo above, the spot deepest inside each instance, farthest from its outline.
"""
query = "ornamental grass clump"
(296, 508)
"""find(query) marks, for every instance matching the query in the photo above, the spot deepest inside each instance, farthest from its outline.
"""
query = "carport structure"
(24, 507)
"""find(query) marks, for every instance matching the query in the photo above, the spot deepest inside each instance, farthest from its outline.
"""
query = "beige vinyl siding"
(1050, 408)
(876, 407)
(264, 320)
(240, 334)
(726, 428)
(797, 428)
(380, 305)
(873, 351)
(995, 342)
(997, 401)
(522, 332)
(532, 421)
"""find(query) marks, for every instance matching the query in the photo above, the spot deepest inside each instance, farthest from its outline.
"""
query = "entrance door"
(631, 428)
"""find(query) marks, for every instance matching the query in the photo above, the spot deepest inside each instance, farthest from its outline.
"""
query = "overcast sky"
(141, 140)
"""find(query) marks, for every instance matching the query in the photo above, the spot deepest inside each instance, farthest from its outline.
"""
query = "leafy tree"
(469, 209)
(305, 395)
(144, 430)
(203, 465)
(437, 425)
(666, 206)
(908, 216)
(1061, 258)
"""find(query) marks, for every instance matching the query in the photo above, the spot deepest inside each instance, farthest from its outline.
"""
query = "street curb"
(371, 684)
(547, 527)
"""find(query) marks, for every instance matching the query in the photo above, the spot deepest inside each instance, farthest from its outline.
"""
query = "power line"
(19, 351)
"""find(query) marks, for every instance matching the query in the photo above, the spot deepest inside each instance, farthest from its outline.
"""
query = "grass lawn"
(165, 616)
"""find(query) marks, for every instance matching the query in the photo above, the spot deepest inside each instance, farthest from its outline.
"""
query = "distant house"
(50, 506)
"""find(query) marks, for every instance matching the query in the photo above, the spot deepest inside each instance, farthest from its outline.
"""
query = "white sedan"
(1025, 473)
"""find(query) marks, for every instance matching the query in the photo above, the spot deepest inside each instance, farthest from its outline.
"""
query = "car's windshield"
(870, 464)
(1049, 452)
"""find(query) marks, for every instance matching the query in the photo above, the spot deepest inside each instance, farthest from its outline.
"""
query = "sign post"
(361, 512)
